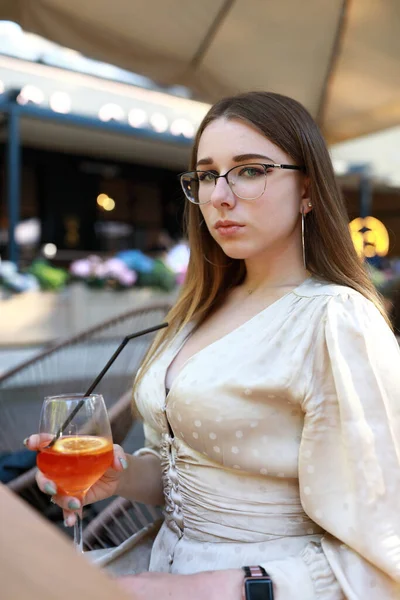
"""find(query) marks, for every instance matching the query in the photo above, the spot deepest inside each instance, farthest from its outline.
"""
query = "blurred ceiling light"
(137, 117)
(182, 127)
(30, 93)
(340, 166)
(105, 202)
(101, 198)
(159, 122)
(60, 102)
(49, 250)
(111, 112)
(109, 204)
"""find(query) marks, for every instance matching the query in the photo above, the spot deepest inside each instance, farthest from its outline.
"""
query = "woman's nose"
(222, 194)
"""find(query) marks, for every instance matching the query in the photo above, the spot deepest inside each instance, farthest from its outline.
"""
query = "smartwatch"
(257, 584)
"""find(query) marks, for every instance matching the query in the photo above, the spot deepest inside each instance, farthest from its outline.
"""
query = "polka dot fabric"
(280, 446)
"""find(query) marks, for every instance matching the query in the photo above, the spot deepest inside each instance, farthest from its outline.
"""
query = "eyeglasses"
(247, 182)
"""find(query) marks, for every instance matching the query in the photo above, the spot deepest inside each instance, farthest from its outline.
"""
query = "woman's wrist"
(141, 480)
(217, 585)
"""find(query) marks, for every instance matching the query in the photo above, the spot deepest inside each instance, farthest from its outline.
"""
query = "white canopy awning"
(341, 59)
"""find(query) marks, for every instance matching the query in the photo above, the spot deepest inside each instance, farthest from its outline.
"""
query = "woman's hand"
(105, 487)
(209, 585)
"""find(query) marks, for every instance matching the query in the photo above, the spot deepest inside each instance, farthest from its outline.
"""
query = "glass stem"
(78, 532)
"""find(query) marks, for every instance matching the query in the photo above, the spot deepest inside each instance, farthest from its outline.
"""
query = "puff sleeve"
(349, 461)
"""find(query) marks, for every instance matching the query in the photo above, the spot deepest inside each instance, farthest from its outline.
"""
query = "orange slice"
(81, 444)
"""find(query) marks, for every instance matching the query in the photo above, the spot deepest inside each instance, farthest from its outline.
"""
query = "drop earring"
(302, 237)
(303, 228)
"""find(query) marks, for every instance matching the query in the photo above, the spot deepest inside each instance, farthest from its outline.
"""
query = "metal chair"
(117, 522)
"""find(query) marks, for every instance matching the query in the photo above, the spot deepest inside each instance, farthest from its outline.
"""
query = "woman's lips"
(229, 229)
(226, 228)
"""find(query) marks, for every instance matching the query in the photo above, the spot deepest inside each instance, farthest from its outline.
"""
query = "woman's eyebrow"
(242, 157)
(239, 158)
(204, 161)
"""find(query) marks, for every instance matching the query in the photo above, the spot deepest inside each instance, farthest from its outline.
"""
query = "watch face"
(259, 589)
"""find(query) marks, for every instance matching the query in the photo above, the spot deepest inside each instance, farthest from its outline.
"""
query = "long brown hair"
(329, 249)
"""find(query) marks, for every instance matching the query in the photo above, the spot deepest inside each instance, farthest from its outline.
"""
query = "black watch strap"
(257, 584)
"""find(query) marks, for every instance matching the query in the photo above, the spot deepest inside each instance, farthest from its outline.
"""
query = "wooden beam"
(210, 34)
(335, 53)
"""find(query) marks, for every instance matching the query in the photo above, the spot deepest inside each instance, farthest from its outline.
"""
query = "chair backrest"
(70, 367)
(117, 522)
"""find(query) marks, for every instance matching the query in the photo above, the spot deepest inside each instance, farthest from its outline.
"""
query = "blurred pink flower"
(100, 271)
(114, 266)
(127, 278)
(81, 268)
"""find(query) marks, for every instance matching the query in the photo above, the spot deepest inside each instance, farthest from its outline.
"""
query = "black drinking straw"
(101, 375)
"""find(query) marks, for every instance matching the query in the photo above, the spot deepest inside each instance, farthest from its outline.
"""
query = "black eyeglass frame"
(225, 176)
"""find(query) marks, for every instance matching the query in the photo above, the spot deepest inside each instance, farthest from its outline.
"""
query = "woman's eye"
(207, 177)
(251, 172)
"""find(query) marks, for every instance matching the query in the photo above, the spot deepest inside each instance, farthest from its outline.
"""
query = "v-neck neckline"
(190, 327)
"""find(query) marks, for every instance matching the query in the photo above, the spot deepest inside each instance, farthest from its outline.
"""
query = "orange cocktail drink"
(76, 462)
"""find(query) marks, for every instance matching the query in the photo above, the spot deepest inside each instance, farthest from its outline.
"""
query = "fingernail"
(74, 504)
(25, 442)
(123, 462)
(50, 489)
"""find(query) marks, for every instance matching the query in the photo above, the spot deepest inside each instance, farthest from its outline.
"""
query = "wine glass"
(76, 457)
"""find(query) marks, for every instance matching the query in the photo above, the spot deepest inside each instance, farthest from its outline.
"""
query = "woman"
(270, 402)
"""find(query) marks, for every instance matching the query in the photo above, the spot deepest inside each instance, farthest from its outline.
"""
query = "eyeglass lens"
(246, 181)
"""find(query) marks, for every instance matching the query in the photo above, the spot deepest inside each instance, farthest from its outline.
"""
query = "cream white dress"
(280, 446)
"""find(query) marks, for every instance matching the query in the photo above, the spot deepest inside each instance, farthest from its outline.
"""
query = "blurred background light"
(340, 166)
(60, 102)
(137, 117)
(101, 198)
(28, 232)
(182, 127)
(105, 202)
(109, 204)
(370, 237)
(159, 122)
(111, 112)
(30, 93)
(49, 250)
